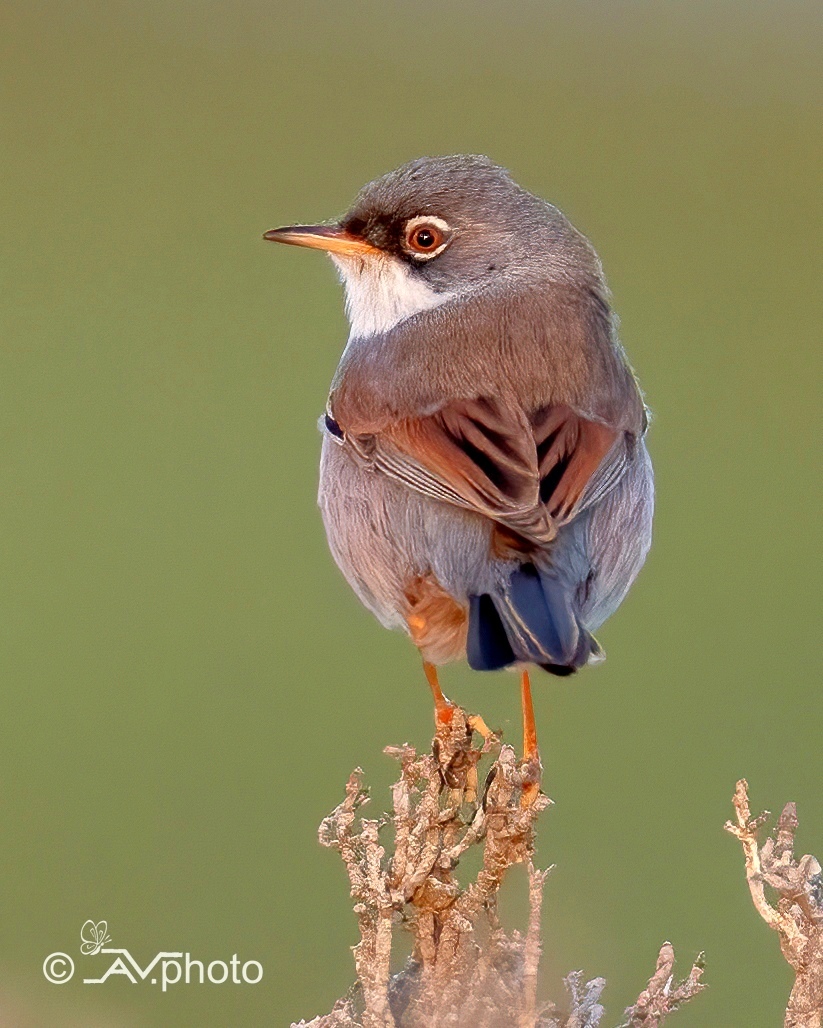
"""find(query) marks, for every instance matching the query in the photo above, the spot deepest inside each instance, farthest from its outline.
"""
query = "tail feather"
(532, 619)
(538, 607)
(487, 645)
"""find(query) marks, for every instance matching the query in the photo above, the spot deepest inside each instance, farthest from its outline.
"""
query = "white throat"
(381, 292)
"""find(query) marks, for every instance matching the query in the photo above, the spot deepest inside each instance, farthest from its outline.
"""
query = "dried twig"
(662, 996)
(798, 916)
(465, 970)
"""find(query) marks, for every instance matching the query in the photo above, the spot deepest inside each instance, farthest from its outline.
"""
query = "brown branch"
(662, 996)
(465, 970)
(798, 915)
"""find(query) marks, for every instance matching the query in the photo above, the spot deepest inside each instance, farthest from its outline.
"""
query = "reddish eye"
(424, 238)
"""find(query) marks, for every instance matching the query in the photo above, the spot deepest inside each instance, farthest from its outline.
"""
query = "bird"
(485, 484)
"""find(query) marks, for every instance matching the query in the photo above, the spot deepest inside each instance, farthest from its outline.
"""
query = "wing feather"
(529, 474)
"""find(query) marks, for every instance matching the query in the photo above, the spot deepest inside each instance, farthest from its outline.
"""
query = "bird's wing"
(488, 456)
(579, 460)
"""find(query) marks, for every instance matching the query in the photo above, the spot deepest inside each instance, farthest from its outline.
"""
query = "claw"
(477, 724)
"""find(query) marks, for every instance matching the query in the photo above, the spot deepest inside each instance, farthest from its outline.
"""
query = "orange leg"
(443, 708)
(529, 727)
(531, 754)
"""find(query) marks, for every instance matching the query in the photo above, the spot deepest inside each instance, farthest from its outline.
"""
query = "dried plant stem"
(532, 946)
(798, 916)
(465, 970)
(662, 996)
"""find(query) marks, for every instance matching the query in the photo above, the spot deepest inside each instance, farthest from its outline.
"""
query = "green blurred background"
(187, 680)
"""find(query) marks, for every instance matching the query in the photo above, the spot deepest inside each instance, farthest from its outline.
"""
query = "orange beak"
(322, 237)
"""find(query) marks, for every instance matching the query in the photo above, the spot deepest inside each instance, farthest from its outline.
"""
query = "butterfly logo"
(93, 937)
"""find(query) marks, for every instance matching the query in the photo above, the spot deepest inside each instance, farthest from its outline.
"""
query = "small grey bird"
(484, 481)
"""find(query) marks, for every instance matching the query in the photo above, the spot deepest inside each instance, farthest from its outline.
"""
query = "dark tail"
(531, 619)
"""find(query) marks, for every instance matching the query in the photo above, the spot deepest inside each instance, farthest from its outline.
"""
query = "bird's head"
(438, 229)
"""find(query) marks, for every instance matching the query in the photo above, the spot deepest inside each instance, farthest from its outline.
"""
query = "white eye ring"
(441, 227)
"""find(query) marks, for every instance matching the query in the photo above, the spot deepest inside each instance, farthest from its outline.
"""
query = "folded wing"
(529, 474)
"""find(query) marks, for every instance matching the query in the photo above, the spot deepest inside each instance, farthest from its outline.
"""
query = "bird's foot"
(455, 755)
(478, 725)
(531, 772)
(452, 745)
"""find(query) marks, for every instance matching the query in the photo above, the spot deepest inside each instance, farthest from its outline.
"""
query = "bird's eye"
(425, 237)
